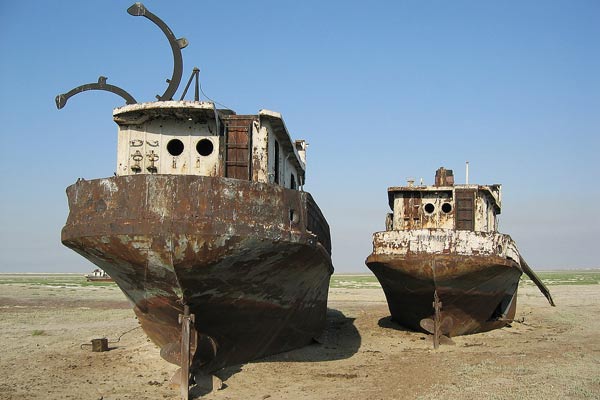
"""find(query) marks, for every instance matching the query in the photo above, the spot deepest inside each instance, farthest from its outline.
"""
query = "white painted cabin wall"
(149, 137)
(485, 217)
(260, 146)
(481, 220)
(288, 171)
(436, 219)
(270, 152)
(485, 220)
(286, 168)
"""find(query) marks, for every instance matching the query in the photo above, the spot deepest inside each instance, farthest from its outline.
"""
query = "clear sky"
(381, 90)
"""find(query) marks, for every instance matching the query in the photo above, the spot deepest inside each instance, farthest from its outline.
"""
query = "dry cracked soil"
(554, 353)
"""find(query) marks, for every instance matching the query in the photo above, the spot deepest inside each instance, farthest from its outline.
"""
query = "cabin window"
(429, 208)
(276, 162)
(175, 147)
(447, 208)
(204, 147)
(292, 182)
(294, 216)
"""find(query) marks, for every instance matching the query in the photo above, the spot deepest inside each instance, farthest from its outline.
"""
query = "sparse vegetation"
(566, 277)
(550, 278)
(345, 281)
(354, 281)
(38, 332)
(56, 280)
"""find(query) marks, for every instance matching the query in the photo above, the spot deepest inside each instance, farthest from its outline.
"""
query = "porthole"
(175, 147)
(447, 208)
(429, 208)
(204, 147)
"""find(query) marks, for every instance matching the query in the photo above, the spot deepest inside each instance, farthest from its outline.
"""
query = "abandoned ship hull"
(474, 274)
(253, 268)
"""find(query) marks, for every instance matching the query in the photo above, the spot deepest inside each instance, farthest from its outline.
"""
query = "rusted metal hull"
(474, 274)
(241, 255)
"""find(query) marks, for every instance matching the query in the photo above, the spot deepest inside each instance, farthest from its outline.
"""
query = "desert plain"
(48, 320)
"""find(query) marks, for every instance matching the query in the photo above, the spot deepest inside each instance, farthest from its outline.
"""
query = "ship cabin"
(444, 205)
(97, 273)
(195, 138)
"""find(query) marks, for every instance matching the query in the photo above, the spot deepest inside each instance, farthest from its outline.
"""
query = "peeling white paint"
(434, 207)
(444, 241)
(109, 185)
(431, 220)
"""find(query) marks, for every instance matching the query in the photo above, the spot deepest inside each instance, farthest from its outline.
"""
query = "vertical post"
(197, 91)
(185, 319)
(467, 174)
(437, 307)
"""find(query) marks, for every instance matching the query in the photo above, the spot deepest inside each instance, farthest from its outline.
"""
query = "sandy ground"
(554, 354)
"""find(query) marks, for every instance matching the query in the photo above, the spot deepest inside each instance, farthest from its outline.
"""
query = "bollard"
(100, 345)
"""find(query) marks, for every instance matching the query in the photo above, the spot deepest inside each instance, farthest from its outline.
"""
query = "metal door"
(237, 149)
(412, 211)
(465, 209)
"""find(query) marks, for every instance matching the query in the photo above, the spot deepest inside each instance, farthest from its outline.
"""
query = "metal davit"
(138, 10)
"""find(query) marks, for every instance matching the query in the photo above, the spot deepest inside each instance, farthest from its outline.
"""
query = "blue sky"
(381, 90)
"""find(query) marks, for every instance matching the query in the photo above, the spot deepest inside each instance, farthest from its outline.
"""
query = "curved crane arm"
(61, 99)
(137, 10)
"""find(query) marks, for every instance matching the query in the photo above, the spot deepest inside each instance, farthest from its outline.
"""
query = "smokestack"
(444, 177)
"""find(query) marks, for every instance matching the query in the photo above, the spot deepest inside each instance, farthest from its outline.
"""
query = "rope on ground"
(123, 334)
(113, 341)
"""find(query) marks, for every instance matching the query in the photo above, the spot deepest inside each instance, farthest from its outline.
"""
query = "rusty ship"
(205, 227)
(97, 275)
(444, 267)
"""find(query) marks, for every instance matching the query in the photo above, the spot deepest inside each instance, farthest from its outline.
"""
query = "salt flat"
(46, 322)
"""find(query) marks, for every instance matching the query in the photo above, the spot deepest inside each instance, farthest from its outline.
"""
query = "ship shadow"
(389, 323)
(340, 340)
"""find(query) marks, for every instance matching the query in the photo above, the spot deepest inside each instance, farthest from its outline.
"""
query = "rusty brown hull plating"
(251, 260)
(478, 293)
